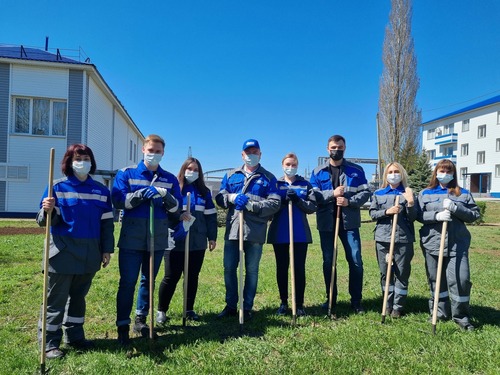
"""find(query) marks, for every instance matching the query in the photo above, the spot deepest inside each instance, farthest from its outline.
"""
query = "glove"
(449, 205)
(240, 201)
(182, 228)
(157, 201)
(443, 216)
(291, 194)
(150, 192)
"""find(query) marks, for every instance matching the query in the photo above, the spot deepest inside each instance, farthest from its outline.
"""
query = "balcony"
(436, 159)
(446, 139)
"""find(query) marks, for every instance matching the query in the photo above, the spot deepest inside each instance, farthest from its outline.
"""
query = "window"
(498, 117)
(481, 157)
(130, 151)
(431, 133)
(497, 170)
(498, 145)
(464, 149)
(447, 150)
(40, 116)
(13, 173)
(481, 131)
(448, 129)
(431, 154)
(465, 126)
(463, 173)
(135, 153)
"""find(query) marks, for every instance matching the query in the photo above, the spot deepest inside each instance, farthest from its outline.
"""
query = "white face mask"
(394, 178)
(251, 160)
(81, 168)
(290, 171)
(191, 176)
(152, 159)
(444, 178)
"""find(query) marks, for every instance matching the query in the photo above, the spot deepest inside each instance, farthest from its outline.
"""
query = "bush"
(482, 210)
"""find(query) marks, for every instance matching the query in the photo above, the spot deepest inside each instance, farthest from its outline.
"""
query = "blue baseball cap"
(250, 143)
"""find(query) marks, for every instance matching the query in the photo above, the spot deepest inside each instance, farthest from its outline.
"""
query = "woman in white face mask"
(383, 209)
(82, 240)
(444, 200)
(292, 188)
(203, 229)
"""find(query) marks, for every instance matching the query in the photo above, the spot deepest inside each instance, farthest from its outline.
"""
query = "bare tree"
(399, 118)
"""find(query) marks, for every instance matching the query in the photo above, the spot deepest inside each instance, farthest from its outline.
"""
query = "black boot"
(123, 337)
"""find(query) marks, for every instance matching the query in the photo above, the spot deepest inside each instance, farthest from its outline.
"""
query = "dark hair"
(199, 183)
(76, 149)
(452, 186)
(336, 138)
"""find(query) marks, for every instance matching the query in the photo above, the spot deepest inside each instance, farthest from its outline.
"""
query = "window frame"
(464, 147)
(481, 131)
(481, 158)
(465, 125)
(51, 117)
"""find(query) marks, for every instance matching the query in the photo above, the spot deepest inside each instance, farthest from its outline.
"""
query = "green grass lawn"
(269, 345)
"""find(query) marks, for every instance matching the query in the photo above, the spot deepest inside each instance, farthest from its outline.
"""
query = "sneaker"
(191, 315)
(466, 326)
(140, 326)
(396, 314)
(54, 353)
(282, 309)
(247, 315)
(82, 344)
(161, 317)
(228, 311)
(301, 312)
(123, 335)
(358, 309)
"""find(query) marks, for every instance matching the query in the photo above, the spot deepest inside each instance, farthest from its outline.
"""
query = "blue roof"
(26, 53)
(484, 103)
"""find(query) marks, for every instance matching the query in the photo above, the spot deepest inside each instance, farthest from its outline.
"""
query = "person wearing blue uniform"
(340, 183)
(202, 231)
(444, 200)
(81, 240)
(135, 190)
(292, 188)
(251, 189)
(383, 209)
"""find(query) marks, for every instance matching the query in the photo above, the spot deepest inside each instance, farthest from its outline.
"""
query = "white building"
(470, 137)
(47, 100)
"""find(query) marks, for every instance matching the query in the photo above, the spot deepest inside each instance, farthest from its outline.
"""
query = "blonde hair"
(404, 175)
(154, 138)
(290, 155)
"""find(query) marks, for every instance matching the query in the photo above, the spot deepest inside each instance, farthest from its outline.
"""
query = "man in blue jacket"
(135, 189)
(253, 190)
(340, 183)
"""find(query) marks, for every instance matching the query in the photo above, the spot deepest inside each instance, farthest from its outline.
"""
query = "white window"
(448, 129)
(431, 133)
(13, 173)
(497, 170)
(447, 150)
(498, 117)
(481, 131)
(130, 151)
(465, 126)
(431, 154)
(464, 149)
(135, 153)
(39, 116)
(463, 173)
(481, 157)
(498, 145)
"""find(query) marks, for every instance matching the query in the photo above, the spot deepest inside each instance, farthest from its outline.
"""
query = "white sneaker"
(161, 317)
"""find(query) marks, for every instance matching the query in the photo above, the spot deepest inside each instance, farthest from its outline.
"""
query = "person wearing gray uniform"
(383, 209)
(444, 200)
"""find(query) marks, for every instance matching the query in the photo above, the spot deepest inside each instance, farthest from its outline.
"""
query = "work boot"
(228, 311)
(123, 335)
(161, 317)
(465, 326)
(396, 314)
(191, 315)
(54, 353)
(140, 326)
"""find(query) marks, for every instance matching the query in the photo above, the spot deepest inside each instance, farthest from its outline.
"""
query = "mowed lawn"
(268, 344)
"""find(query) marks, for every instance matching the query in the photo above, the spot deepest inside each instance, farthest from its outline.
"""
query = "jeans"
(352, 246)
(253, 253)
(130, 263)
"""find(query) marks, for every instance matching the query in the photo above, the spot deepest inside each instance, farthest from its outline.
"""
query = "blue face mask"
(251, 160)
(444, 178)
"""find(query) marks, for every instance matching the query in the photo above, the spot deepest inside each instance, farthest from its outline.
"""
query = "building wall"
(488, 116)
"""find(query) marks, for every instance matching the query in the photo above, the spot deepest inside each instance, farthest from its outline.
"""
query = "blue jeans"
(352, 246)
(253, 253)
(130, 263)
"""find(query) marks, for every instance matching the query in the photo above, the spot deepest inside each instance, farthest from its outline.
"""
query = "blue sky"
(210, 74)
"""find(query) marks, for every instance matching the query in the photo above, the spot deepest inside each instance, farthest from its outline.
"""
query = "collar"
(73, 180)
(388, 190)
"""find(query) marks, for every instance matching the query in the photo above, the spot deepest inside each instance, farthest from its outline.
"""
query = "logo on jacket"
(95, 191)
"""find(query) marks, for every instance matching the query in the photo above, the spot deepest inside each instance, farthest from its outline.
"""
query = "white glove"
(161, 191)
(187, 223)
(449, 205)
(231, 198)
(249, 206)
(443, 216)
